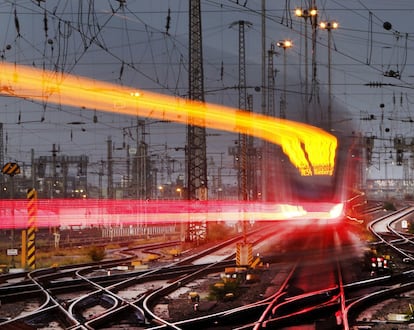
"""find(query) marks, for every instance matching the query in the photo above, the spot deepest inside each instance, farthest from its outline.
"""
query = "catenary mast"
(196, 132)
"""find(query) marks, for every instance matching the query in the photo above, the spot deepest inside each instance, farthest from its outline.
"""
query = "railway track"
(299, 298)
(317, 283)
(101, 293)
(387, 286)
(334, 305)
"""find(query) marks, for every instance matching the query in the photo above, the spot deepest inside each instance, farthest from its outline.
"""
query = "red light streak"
(310, 149)
(89, 212)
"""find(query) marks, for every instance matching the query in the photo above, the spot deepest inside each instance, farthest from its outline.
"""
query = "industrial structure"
(196, 133)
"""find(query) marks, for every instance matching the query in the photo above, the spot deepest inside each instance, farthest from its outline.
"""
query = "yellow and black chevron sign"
(11, 169)
(31, 230)
(244, 254)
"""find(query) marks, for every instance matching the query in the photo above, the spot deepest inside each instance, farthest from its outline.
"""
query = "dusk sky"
(144, 44)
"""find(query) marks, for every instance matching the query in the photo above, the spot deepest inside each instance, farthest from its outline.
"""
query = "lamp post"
(329, 26)
(136, 166)
(285, 44)
(305, 14)
(180, 192)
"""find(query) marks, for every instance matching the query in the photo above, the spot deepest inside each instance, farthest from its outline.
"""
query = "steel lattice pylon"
(243, 189)
(196, 133)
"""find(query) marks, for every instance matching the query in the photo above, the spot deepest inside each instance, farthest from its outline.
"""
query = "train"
(337, 195)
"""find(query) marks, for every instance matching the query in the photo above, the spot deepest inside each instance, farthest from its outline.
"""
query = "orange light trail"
(310, 149)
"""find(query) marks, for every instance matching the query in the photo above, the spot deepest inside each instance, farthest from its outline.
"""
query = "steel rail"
(398, 287)
(148, 301)
(49, 304)
(48, 275)
(127, 304)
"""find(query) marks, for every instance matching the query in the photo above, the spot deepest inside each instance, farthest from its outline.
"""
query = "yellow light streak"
(310, 149)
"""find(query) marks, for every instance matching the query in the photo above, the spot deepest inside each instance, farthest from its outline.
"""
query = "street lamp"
(305, 14)
(180, 192)
(160, 192)
(285, 44)
(329, 26)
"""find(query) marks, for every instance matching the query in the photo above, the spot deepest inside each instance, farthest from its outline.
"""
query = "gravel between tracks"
(14, 309)
(180, 307)
(376, 315)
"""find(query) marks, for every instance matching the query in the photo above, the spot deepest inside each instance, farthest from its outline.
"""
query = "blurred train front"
(330, 197)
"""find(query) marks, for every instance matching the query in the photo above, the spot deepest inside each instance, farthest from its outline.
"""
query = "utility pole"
(54, 180)
(315, 85)
(242, 165)
(285, 44)
(306, 14)
(140, 165)
(196, 132)
(329, 26)
(271, 81)
(269, 150)
(243, 193)
(252, 159)
(110, 172)
(264, 156)
(263, 57)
